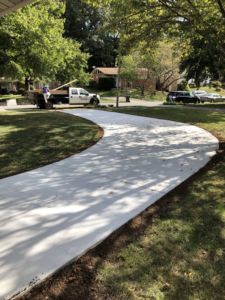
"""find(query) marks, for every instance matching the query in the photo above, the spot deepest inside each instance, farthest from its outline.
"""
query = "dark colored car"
(188, 97)
(171, 96)
(183, 96)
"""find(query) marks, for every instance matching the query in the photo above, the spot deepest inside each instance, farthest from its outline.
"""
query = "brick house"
(143, 80)
(8, 85)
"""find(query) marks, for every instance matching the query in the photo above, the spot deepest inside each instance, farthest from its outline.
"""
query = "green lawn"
(5, 97)
(113, 100)
(149, 95)
(212, 105)
(210, 90)
(35, 138)
(181, 253)
(135, 93)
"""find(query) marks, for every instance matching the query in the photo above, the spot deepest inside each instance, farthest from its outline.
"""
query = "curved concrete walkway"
(54, 214)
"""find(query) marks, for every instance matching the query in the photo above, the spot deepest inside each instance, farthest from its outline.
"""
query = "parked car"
(212, 97)
(171, 96)
(188, 97)
(183, 96)
(199, 92)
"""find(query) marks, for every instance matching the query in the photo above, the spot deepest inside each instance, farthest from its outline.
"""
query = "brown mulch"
(77, 280)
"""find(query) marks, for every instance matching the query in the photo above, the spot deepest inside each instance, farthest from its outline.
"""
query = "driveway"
(54, 214)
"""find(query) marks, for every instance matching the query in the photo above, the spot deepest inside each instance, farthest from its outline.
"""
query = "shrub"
(183, 86)
(216, 84)
(93, 84)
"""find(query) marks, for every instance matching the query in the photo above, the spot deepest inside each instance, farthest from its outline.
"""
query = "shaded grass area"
(30, 139)
(173, 250)
(212, 105)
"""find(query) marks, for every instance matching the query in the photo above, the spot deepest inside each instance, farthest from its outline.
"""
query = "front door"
(74, 96)
(84, 96)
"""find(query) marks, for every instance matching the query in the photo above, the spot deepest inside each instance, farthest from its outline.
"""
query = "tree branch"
(222, 8)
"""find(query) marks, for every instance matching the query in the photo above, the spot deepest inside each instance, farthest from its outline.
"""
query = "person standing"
(46, 93)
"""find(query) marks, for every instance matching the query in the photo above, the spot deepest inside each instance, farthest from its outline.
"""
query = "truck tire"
(94, 101)
(41, 103)
(49, 105)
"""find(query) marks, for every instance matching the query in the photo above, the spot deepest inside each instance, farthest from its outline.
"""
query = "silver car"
(212, 97)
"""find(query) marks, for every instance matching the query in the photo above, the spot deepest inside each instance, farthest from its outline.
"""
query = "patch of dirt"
(77, 280)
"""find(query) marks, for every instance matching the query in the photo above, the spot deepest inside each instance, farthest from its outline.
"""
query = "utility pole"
(119, 63)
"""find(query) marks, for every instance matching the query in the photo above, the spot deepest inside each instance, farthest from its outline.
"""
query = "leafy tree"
(129, 69)
(159, 63)
(165, 65)
(199, 25)
(84, 23)
(183, 86)
(34, 46)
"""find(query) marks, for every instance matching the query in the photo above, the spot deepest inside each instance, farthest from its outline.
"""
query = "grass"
(212, 105)
(5, 97)
(181, 255)
(211, 90)
(21, 100)
(136, 94)
(108, 100)
(149, 95)
(32, 139)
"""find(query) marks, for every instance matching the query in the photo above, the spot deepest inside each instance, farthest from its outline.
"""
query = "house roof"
(6, 6)
(142, 72)
(107, 71)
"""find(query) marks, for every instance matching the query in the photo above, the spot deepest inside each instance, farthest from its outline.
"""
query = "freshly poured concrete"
(54, 214)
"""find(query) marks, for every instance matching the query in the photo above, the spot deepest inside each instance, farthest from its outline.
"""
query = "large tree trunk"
(27, 85)
(158, 85)
(143, 90)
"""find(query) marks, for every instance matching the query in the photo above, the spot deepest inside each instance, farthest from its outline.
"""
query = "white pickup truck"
(81, 96)
(71, 95)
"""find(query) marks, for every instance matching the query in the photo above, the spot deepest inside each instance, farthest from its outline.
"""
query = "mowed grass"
(212, 105)
(181, 255)
(30, 139)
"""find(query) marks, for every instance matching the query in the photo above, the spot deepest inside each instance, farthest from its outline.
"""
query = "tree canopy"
(34, 47)
(85, 24)
(197, 26)
(43, 40)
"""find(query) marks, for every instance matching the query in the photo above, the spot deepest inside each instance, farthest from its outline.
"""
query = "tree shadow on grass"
(32, 139)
